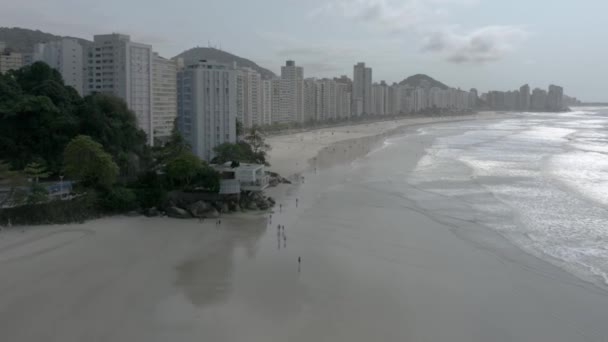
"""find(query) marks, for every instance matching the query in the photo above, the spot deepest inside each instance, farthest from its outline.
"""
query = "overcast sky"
(487, 44)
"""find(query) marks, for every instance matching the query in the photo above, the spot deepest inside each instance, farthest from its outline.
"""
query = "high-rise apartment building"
(555, 98)
(207, 106)
(249, 82)
(343, 101)
(328, 99)
(164, 97)
(292, 107)
(118, 66)
(362, 90)
(524, 98)
(9, 60)
(538, 99)
(266, 102)
(65, 55)
(311, 99)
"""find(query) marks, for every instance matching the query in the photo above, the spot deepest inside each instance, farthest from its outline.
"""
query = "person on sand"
(296, 202)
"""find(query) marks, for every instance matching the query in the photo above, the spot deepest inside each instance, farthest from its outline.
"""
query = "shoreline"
(296, 153)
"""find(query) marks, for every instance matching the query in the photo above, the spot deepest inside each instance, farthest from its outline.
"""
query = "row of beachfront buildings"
(207, 98)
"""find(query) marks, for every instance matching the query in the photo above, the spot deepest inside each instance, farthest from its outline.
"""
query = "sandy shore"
(376, 265)
(294, 153)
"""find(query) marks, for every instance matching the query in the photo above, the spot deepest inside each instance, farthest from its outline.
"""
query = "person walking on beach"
(296, 202)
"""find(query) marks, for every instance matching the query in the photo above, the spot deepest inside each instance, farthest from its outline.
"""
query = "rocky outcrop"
(176, 212)
(276, 179)
(198, 208)
(151, 212)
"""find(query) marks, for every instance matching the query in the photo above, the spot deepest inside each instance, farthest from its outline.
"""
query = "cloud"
(483, 45)
(423, 18)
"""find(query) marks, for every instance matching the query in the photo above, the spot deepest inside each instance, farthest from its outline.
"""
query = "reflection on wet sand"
(205, 278)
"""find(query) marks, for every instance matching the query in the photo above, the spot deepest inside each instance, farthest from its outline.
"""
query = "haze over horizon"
(463, 43)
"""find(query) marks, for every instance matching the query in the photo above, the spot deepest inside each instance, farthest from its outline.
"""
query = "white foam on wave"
(519, 163)
(584, 172)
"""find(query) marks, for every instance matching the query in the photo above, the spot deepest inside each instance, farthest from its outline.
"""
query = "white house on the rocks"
(245, 177)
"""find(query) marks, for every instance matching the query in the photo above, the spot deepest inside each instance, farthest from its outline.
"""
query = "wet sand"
(376, 265)
(296, 153)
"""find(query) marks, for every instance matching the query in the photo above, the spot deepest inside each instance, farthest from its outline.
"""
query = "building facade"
(164, 97)
(207, 110)
(9, 60)
(116, 65)
(66, 56)
(266, 102)
(249, 103)
(292, 99)
(538, 99)
(524, 98)
(555, 98)
(362, 90)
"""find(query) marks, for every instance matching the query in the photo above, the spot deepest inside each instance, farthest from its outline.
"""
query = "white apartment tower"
(343, 101)
(249, 99)
(292, 108)
(118, 66)
(164, 97)
(207, 106)
(362, 90)
(266, 102)
(65, 55)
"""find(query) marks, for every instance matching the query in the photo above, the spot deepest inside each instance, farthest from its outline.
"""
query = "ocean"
(539, 179)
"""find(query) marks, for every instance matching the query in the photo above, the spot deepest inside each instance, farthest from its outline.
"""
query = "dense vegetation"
(48, 131)
(251, 149)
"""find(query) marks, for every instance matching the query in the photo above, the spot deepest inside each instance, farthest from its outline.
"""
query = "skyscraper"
(65, 55)
(266, 102)
(248, 97)
(538, 99)
(164, 97)
(207, 106)
(555, 98)
(118, 66)
(524, 98)
(362, 90)
(293, 93)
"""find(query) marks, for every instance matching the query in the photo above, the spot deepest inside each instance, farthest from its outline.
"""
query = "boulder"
(285, 181)
(151, 212)
(176, 212)
(252, 206)
(271, 200)
(273, 182)
(198, 209)
(212, 213)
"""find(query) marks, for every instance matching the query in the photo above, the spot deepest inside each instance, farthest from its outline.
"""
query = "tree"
(182, 169)
(256, 139)
(108, 120)
(36, 170)
(86, 160)
(208, 179)
(228, 152)
(239, 128)
(38, 194)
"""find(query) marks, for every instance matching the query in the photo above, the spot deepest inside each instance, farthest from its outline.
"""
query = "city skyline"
(452, 40)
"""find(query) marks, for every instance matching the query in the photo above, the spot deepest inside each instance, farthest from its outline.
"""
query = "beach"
(407, 230)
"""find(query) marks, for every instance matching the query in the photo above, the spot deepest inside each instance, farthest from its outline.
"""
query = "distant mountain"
(23, 40)
(419, 80)
(199, 53)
